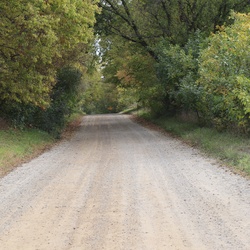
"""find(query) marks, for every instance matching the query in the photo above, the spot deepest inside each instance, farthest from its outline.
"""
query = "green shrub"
(225, 76)
(178, 71)
(52, 119)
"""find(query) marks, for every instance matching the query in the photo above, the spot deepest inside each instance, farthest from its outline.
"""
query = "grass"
(17, 146)
(75, 117)
(233, 150)
(129, 110)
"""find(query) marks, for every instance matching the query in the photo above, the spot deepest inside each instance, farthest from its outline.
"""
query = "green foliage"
(147, 22)
(64, 99)
(37, 38)
(138, 73)
(225, 77)
(99, 97)
(177, 70)
(170, 33)
(127, 99)
(161, 51)
(130, 67)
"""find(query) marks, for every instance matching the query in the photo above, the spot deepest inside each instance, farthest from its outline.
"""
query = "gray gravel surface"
(118, 185)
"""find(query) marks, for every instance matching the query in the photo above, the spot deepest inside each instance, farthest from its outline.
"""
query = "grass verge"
(232, 150)
(129, 110)
(19, 146)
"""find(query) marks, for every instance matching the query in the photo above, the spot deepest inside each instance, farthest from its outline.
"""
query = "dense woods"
(186, 55)
(38, 40)
(167, 56)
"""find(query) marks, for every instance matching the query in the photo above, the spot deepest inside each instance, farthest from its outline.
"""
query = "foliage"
(97, 96)
(225, 77)
(64, 99)
(177, 70)
(147, 22)
(130, 67)
(153, 47)
(170, 64)
(36, 39)
(138, 73)
(127, 99)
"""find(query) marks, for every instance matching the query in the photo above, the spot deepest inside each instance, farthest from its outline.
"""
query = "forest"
(165, 56)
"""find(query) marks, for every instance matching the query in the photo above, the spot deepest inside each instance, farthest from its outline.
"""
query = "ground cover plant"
(17, 146)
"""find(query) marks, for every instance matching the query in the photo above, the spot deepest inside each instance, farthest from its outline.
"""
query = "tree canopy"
(38, 37)
(171, 52)
(165, 55)
(145, 22)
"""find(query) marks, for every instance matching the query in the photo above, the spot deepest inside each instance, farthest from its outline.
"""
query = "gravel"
(118, 185)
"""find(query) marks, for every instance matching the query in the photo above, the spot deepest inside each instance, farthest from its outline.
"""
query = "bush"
(225, 76)
(177, 70)
(63, 100)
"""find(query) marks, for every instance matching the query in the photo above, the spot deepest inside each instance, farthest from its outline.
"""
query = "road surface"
(117, 185)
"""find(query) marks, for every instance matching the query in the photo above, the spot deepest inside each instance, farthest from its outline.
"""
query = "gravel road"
(117, 185)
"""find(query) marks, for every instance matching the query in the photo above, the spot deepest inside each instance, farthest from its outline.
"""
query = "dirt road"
(117, 185)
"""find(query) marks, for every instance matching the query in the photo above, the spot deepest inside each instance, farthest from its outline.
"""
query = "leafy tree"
(64, 99)
(225, 77)
(100, 98)
(145, 22)
(131, 31)
(37, 38)
(177, 71)
(129, 67)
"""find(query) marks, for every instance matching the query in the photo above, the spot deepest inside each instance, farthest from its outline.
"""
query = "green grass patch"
(18, 145)
(129, 110)
(75, 117)
(234, 150)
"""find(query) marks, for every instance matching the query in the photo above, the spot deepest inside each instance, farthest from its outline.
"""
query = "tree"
(145, 22)
(133, 30)
(98, 96)
(37, 38)
(224, 75)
